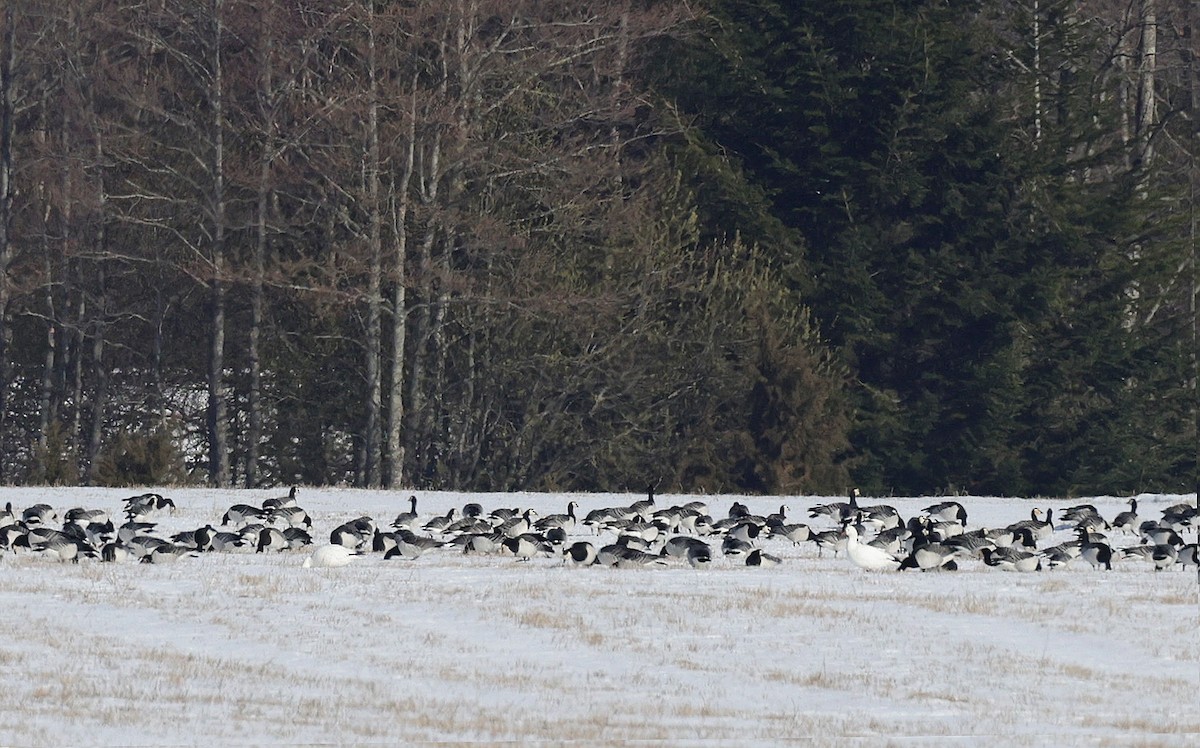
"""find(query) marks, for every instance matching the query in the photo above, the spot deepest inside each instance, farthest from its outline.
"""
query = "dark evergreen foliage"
(980, 273)
(912, 245)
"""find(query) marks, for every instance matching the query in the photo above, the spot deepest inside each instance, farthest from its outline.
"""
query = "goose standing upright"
(1041, 528)
(947, 511)
(407, 519)
(645, 507)
(565, 521)
(838, 511)
(438, 524)
(1127, 521)
(279, 502)
(834, 540)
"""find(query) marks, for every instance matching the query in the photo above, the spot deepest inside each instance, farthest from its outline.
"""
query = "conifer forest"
(749, 246)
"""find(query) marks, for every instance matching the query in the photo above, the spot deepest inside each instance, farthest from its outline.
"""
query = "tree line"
(721, 246)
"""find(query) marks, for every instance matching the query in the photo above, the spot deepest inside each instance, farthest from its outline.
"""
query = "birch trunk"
(99, 401)
(374, 342)
(7, 61)
(49, 360)
(254, 416)
(218, 470)
(1192, 55)
(1147, 71)
(394, 473)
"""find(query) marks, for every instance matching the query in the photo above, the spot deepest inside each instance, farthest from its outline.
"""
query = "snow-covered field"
(245, 648)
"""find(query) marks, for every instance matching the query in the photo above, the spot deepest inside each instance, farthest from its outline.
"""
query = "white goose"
(330, 556)
(868, 556)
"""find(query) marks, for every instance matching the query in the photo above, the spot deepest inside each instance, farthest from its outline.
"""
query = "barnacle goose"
(564, 521)
(407, 519)
(1041, 528)
(1012, 559)
(1127, 521)
(132, 529)
(838, 511)
(798, 533)
(485, 543)
(63, 548)
(1097, 553)
(1161, 535)
(467, 525)
(745, 531)
(779, 518)
(1079, 513)
(947, 511)
(647, 531)
(410, 545)
(733, 547)
(526, 546)
(203, 538)
(518, 525)
(144, 505)
(835, 540)
(292, 515)
(928, 556)
(630, 558)
(970, 543)
(114, 553)
(1162, 555)
(581, 553)
(880, 516)
(645, 507)
(607, 555)
(297, 537)
(699, 556)
(279, 502)
(383, 541)
(86, 516)
(680, 545)
(13, 537)
(347, 535)
(759, 557)
(240, 514)
(271, 539)
(39, 514)
(598, 519)
(1188, 556)
(228, 541)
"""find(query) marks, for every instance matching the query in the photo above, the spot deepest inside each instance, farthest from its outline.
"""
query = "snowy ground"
(245, 648)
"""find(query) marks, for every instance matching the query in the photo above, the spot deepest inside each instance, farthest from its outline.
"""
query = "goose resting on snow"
(330, 556)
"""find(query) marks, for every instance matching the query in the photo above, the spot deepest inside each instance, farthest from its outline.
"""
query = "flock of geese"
(641, 534)
(939, 538)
